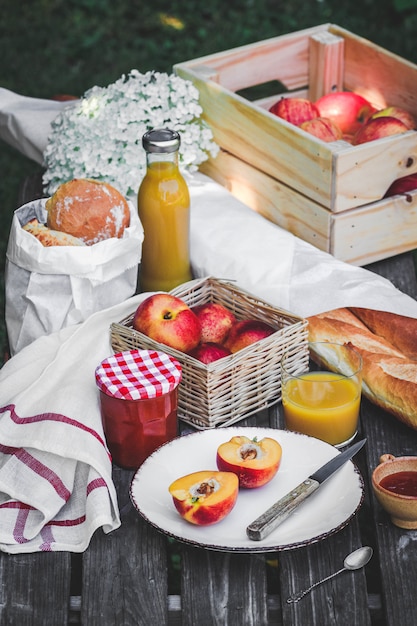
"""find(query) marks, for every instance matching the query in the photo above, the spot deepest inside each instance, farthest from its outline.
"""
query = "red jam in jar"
(138, 401)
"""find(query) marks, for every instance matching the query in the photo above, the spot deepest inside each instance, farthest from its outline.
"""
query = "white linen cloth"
(25, 122)
(229, 240)
(55, 472)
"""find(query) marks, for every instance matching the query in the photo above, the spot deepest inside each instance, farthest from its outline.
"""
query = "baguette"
(399, 330)
(389, 378)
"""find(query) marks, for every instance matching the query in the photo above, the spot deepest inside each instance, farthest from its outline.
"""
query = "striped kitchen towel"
(56, 485)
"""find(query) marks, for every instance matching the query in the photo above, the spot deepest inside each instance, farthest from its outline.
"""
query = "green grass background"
(66, 46)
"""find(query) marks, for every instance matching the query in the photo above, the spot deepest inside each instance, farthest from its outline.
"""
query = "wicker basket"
(234, 387)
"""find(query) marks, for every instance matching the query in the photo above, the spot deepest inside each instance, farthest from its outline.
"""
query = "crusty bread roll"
(88, 209)
(399, 330)
(389, 378)
(49, 237)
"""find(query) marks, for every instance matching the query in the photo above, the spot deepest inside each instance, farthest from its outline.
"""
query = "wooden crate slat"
(272, 199)
(261, 62)
(326, 64)
(376, 232)
(365, 172)
(378, 74)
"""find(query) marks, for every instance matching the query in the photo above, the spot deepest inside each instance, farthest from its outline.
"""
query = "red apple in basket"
(246, 332)
(254, 462)
(215, 321)
(399, 113)
(209, 352)
(205, 497)
(378, 128)
(323, 128)
(294, 110)
(348, 109)
(402, 185)
(168, 320)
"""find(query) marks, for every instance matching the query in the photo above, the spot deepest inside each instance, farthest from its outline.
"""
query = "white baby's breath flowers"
(100, 135)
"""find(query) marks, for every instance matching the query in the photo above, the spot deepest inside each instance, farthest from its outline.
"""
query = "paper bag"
(49, 288)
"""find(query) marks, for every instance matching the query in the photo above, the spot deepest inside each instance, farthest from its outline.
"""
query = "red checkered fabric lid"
(138, 374)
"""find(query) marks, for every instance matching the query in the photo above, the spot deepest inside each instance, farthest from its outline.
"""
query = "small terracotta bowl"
(401, 508)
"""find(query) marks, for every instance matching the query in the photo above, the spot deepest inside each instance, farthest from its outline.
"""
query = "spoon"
(354, 560)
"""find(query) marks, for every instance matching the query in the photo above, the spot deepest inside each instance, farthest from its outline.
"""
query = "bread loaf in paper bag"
(51, 287)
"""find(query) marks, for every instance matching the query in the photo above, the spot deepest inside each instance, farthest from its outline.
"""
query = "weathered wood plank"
(299, 568)
(223, 588)
(35, 588)
(341, 600)
(397, 553)
(400, 270)
(125, 580)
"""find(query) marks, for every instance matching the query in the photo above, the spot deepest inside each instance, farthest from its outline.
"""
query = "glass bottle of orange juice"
(164, 210)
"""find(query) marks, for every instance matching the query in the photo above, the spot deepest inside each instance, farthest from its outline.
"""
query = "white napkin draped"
(25, 122)
(56, 487)
(231, 241)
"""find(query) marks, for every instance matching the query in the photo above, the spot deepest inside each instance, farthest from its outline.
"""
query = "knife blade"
(263, 525)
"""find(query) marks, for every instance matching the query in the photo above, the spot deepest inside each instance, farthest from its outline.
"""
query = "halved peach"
(205, 497)
(254, 462)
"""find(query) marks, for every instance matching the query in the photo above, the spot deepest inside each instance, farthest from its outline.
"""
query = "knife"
(278, 512)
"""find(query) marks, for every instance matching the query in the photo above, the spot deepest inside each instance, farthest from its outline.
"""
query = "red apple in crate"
(254, 462)
(168, 320)
(294, 110)
(215, 321)
(323, 128)
(246, 332)
(402, 185)
(378, 128)
(209, 352)
(205, 497)
(348, 109)
(399, 113)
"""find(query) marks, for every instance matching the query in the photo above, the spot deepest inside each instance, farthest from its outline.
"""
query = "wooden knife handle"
(278, 512)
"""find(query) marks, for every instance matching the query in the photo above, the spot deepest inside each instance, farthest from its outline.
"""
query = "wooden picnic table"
(129, 577)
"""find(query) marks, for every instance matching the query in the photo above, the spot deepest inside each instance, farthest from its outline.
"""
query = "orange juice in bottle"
(164, 210)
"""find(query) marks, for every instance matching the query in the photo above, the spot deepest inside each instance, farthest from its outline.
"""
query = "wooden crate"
(328, 194)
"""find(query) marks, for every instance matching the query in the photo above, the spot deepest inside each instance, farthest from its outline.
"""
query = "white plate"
(322, 514)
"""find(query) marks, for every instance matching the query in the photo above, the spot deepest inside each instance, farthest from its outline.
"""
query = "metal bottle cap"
(161, 140)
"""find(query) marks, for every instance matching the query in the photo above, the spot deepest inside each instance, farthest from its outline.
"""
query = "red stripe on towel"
(16, 505)
(39, 468)
(95, 484)
(67, 522)
(51, 417)
(19, 527)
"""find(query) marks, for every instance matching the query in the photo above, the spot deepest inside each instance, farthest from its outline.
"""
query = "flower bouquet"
(100, 135)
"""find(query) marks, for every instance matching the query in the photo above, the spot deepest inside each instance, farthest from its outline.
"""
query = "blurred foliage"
(66, 46)
(404, 5)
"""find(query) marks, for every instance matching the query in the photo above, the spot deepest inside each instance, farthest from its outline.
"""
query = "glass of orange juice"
(319, 402)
